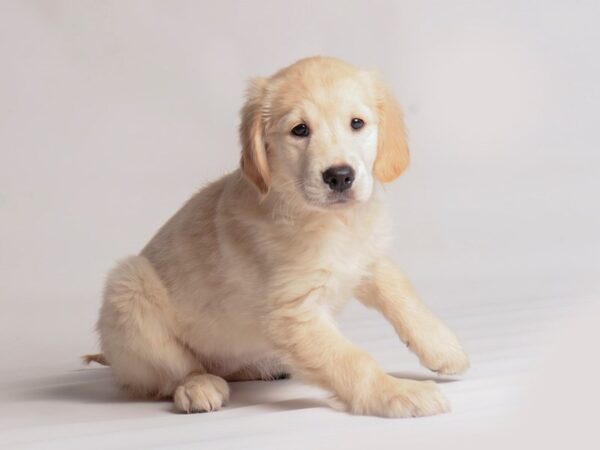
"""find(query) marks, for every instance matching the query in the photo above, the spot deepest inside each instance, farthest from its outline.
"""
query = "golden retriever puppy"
(244, 281)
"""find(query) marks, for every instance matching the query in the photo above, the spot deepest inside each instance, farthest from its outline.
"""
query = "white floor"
(43, 406)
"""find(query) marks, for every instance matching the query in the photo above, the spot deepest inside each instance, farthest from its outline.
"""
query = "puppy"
(244, 281)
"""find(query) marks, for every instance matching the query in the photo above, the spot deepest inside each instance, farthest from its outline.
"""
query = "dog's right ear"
(254, 163)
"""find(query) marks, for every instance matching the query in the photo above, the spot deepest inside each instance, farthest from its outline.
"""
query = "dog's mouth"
(321, 199)
(333, 200)
(340, 198)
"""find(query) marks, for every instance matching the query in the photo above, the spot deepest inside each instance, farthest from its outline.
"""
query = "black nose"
(339, 178)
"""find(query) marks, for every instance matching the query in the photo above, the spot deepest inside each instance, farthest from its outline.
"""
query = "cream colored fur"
(244, 281)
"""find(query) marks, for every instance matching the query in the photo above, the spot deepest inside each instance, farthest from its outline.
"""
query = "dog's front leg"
(308, 340)
(388, 291)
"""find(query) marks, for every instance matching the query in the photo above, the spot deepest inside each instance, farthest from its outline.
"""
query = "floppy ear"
(254, 162)
(392, 148)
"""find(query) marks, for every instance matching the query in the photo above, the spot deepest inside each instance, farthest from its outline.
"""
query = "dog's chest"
(345, 259)
(333, 259)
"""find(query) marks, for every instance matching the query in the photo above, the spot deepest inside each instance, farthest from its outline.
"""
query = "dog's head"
(323, 131)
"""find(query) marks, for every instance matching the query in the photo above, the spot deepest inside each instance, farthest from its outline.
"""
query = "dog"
(244, 281)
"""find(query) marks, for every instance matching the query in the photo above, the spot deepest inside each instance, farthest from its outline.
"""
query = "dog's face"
(323, 140)
(321, 132)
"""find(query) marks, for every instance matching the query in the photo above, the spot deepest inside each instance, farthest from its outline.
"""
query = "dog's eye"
(301, 130)
(357, 123)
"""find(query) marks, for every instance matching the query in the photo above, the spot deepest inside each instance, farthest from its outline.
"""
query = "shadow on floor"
(419, 377)
(96, 385)
(86, 386)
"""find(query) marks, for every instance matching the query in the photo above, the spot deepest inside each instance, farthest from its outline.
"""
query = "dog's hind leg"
(137, 337)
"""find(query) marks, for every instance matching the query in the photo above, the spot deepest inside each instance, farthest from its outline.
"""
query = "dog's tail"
(97, 358)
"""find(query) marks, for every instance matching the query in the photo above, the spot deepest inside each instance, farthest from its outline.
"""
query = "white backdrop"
(113, 113)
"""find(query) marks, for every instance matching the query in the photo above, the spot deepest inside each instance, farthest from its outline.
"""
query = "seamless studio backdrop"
(113, 113)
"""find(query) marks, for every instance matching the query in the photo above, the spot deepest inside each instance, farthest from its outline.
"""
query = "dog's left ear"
(392, 148)
(254, 164)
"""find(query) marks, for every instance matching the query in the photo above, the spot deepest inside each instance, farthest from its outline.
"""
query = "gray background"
(113, 113)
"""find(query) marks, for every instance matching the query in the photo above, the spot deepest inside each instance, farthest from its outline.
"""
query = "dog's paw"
(440, 351)
(201, 393)
(394, 397)
(416, 399)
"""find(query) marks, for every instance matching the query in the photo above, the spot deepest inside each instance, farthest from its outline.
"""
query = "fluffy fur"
(243, 282)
